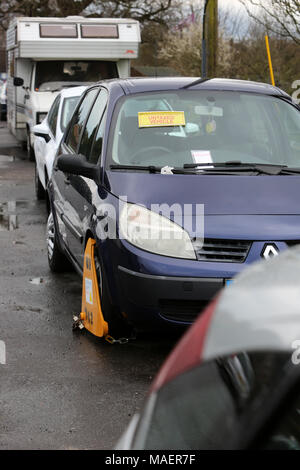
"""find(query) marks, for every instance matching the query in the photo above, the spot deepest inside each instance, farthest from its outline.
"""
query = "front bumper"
(177, 300)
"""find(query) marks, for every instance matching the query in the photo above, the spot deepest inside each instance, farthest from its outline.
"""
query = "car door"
(80, 191)
(69, 226)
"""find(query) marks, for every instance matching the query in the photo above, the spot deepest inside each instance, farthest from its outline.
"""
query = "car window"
(69, 104)
(97, 145)
(79, 118)
(52, 117)
(204, 407)
(91, 127)
(188, 126)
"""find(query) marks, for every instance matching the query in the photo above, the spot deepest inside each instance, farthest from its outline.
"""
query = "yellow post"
(270, 61)
(212, 36)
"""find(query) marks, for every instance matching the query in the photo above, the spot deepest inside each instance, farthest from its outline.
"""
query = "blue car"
(182, 183)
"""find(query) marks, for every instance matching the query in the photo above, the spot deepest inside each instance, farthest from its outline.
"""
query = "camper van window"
(99, 31)
(58, 30)
(53, 76)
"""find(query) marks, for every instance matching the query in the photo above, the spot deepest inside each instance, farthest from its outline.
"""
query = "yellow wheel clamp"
(91, 316)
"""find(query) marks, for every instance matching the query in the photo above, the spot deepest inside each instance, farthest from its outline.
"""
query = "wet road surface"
(59, 389)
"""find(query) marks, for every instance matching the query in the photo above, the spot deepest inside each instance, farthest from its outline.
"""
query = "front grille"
(223, 251)
(185, 311)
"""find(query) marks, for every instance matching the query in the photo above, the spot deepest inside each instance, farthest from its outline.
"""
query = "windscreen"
(183, 127)
(60, 74)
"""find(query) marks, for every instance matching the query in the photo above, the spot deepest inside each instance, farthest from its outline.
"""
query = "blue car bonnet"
(221, 195)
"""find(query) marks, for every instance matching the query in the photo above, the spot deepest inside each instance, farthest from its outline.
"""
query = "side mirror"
(42, 131)
(44, 136)
(77, 165)
(18, 81)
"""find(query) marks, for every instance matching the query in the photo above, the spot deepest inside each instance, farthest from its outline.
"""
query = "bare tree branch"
(146, 11)
(280, 17)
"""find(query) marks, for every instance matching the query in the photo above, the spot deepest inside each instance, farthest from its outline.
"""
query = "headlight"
(152, 232)
(40, 117)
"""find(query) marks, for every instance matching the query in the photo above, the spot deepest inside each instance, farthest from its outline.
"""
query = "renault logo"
(269, 251)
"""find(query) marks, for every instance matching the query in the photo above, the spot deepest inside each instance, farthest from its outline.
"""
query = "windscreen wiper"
(237, 166)
(153, 169)
(290, 171)
(195, 82)
(157, 169)
(225, 168)
(150, 168)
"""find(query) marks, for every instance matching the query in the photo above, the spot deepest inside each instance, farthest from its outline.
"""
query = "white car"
(48, 135)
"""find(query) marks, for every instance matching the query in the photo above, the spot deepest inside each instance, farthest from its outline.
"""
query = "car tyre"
(2, 115)
(117, 325)
(39, 189)
(58, 262)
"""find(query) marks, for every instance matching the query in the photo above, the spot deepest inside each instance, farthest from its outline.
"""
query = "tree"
(248, 58)
(157, 11)
(280, 17)
(146, 11)
(11, 8)
(241, 52)
(182, 50)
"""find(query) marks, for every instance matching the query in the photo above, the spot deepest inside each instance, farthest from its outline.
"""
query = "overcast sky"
(231, 3)
(235, 4)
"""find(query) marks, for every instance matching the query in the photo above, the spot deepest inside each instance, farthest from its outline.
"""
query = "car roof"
(141, 85)
(72, 91)
(259, 312)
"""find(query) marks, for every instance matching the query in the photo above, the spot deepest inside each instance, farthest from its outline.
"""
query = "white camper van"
(48, 54)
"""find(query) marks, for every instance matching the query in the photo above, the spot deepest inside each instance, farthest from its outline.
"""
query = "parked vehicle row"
(121, 161)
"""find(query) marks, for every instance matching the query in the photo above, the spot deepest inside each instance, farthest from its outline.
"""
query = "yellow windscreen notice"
(161, 119)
